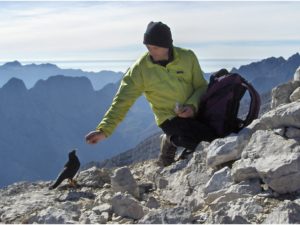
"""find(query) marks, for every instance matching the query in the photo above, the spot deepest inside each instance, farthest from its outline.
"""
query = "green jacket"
(180, 81)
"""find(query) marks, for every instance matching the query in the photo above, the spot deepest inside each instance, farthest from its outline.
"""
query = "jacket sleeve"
(199, 83)
(130, 89)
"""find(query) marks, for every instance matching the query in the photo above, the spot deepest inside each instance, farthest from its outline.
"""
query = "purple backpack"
(219, 106)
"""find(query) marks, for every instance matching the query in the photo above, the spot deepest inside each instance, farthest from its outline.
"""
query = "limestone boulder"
(281, 94)
(123, 181)
(94, 177)
(272, 158)
(297, 74)
(125, 205)
(287, 212)
(177, 215)
(295, 95)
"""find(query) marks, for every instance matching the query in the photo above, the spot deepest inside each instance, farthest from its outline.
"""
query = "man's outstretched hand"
(94, 137)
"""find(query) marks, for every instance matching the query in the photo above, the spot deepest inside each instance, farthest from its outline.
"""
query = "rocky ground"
(250, 177)
(186, 192)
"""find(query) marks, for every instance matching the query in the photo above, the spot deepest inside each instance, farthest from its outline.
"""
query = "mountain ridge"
(31, 73)
(275, 70)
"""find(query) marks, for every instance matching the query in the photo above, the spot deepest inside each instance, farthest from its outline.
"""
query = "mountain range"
(31, 73)
(270, 72)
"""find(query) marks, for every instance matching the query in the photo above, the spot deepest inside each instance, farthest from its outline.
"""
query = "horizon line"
(123, 60)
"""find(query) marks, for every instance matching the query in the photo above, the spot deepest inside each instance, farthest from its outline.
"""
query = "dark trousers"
(187, 132)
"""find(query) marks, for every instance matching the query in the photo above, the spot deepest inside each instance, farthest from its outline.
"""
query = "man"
(172, 81)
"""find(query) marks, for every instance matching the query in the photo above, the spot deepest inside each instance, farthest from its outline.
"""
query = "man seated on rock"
(172, 81)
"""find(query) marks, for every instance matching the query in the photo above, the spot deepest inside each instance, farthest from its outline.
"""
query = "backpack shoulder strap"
(254, 104)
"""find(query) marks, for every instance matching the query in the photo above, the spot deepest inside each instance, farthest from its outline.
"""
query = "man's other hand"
(94, 137)
(186, 112)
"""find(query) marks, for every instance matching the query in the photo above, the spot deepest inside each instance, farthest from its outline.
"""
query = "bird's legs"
(72, 182)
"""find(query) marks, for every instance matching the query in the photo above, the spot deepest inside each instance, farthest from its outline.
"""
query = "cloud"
(115, 29)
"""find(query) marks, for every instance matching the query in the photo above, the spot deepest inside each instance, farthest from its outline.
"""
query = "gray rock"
(125, 205)
(104, 197)
(152, 203)
(217, 185)
(277, 168)
(297, 74)
(287, 213)
(185, 186)
(20, 202)
(179, 165)
(105, 216)
(201, 218)
(280, 131)
(197, 173)
(161, 183)
(281, 94)
(211, 197)
(292, 132)
(102, 208)
(178, 215)
(223, 150)
(123, 181)
(94, 177)
(283, 116)
(280, 169)
(202, 147)
(251, 187)
(91, 217)
(244, 189)
(170, 216)
(244, 169)
(220, 180)
(126, 221)
(75, 196)
(116, 218)
(107, 186)
(145, 188)
(295, 95)
(55, 215)
(236, 219)
(239, 211)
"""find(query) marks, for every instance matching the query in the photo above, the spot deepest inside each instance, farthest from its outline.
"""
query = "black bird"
(69, 171)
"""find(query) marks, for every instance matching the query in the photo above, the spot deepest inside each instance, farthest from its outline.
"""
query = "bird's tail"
(57, 182)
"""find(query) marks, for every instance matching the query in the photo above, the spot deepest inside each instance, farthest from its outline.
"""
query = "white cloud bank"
(114, 30)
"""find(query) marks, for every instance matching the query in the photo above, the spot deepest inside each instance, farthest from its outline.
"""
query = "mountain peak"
(44, 66)
(12, 64)
(62, 83)
(296, 56)
(273, 59)
(14, 84)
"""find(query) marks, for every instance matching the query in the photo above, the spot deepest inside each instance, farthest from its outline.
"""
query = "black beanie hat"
(158, 34)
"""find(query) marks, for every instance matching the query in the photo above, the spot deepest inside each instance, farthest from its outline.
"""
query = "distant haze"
(207, 65)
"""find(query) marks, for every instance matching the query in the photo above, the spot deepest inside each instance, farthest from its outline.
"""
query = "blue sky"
(114, 30)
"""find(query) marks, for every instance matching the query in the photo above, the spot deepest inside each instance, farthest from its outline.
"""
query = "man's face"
(158, 53)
